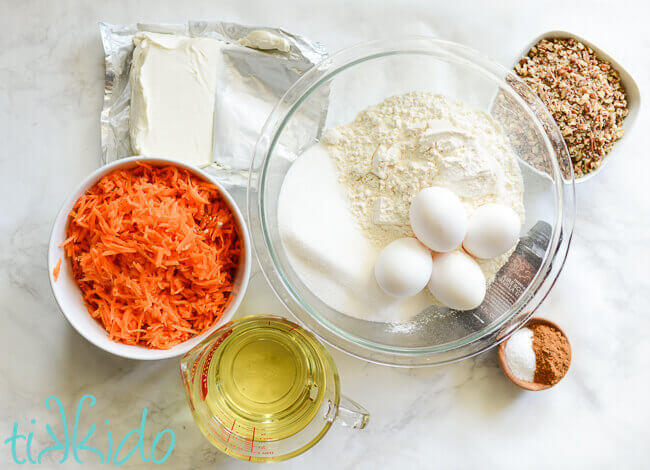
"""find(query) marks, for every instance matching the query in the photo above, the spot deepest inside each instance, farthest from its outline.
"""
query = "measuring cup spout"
(351, 414)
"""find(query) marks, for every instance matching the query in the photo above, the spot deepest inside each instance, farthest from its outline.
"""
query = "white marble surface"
(460, 416)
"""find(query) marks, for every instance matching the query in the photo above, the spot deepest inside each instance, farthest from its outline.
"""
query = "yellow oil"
(266, 382)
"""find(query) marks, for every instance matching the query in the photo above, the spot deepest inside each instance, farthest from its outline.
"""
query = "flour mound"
(407, 143)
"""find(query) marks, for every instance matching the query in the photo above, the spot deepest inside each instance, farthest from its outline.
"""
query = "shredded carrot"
(154, 251)
(56, 270)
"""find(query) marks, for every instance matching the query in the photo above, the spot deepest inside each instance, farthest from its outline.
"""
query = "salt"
(520, 356)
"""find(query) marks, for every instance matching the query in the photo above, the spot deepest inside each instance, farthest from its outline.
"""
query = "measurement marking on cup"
(231, 428)
(252, 444)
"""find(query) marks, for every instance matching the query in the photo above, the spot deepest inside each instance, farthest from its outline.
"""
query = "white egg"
(457, 281)
(438, 219)
(492, 230)
(403, 267)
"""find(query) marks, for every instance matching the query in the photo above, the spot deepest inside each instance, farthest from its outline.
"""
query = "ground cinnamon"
(552, 354)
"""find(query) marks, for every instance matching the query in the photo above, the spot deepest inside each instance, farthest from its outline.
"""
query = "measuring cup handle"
(351, 414)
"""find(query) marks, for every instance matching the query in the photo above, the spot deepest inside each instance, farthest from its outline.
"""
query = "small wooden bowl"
(504, 365)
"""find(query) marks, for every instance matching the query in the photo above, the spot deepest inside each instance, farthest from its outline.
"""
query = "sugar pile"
(327, 248)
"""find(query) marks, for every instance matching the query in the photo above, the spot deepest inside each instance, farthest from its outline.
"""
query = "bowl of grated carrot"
(147, 257)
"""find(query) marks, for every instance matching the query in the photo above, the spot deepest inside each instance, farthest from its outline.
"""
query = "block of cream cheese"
(173, 85)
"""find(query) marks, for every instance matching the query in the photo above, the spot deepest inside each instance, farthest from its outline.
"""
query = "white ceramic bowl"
(631, 90)
(67, 293)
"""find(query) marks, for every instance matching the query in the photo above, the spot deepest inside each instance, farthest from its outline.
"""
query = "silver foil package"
(247, 91)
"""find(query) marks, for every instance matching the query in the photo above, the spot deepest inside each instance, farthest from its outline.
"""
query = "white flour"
(409, 142)
(345, 199)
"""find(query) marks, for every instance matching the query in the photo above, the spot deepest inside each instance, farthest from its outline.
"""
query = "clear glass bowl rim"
(468, 346)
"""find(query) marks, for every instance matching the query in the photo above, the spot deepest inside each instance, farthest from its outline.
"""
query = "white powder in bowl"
(520, 355)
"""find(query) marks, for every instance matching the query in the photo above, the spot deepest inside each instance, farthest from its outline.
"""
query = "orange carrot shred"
(56, 270)
(155, 251)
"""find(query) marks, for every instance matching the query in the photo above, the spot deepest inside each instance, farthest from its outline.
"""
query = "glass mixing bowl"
(332, 93)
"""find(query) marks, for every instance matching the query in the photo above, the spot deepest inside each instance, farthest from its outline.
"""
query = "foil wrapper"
(246, 92)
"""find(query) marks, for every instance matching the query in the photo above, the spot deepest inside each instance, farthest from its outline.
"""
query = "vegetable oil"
(262, 382)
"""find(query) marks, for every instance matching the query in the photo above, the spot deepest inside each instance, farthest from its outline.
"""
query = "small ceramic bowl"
(67, 293)
(516, 380)
(630, 86)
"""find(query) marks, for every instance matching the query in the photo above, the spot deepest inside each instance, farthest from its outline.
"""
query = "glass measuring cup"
(262, 389)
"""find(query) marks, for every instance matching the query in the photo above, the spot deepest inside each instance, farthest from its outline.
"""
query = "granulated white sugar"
(327, 248)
